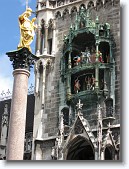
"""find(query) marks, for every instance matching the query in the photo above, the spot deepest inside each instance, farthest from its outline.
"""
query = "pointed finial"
(109, 127)
(71, 27)
(97, 19)
(99, 107)
(79, 105)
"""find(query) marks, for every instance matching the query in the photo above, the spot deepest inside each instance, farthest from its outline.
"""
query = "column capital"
(22, 59)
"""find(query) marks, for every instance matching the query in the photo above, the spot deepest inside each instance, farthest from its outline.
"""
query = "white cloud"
(5, 84)
(6, 77)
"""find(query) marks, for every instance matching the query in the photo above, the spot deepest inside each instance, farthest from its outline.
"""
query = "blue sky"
(9, 38)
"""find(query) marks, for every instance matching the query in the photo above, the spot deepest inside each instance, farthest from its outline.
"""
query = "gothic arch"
(58, 15)
(50, 23)
(73, 9)
(80, 148)
(116, 2)
(72, 0)
(42, 24)
(73, 13)
(109, 107)
(65, 13)
(109, 152)
(107, 3)
(39, 64)
(90, 5)
(60, 3)
(82, 5)
(99, 4)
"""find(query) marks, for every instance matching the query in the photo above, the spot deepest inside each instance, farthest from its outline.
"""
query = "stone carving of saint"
(27, 29)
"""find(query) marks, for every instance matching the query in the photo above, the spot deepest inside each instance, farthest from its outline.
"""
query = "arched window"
(80, 149)
(108, 3)
(65, 112)
(50, 36)
(109, 153)
(74, 9)
(42, 34)
(109, 107)
(82, 7)
(58, 15)
(90, 5)
(99, 5)
(65, 13)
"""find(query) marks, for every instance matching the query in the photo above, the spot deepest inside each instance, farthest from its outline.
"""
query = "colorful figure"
(77, 60)
(100, 57)
(77, 86)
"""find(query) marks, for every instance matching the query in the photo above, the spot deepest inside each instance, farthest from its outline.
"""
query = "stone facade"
(66, 128)
(54, 21)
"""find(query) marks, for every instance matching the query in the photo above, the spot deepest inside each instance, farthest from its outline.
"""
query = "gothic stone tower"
(77, 90)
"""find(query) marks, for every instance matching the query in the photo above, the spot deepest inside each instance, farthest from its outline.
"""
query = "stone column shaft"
(96, 153)
(43, 82)
(97, 78)
(69, 61)
(102, 155)
(97, 68)
(38, 46)
(97, 49)
(68, 86)
(15, 146)
(46, 38)
(53, 41)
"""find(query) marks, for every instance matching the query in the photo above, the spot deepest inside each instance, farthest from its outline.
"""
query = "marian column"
(22, 60)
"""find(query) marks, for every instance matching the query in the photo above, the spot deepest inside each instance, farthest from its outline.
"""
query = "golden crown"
(29, 9)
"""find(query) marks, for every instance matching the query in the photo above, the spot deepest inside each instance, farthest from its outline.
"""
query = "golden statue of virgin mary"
(27, 29)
